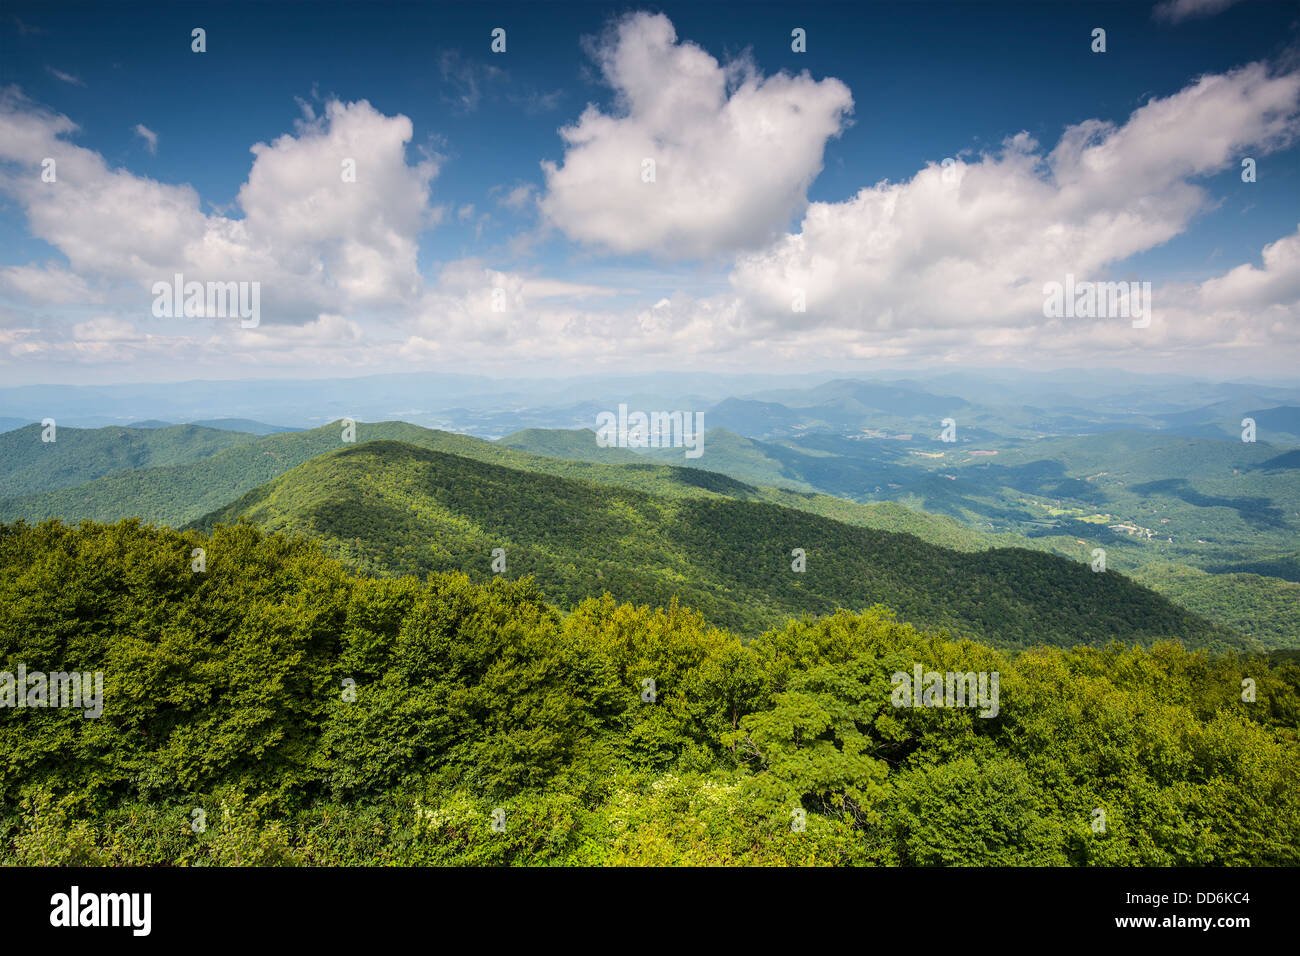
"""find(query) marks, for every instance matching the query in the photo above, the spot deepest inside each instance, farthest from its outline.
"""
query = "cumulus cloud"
(363, 233)
(1275, 284)
(1246, 317)
(315, 239)
(734, 152)
(500, 316)
(971, 245)
(945, 266)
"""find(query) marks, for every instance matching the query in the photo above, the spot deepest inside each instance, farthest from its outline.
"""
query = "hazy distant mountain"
(244, 425)
(1281, 424)
(895, 399)
(1007, 402)
(753, 418)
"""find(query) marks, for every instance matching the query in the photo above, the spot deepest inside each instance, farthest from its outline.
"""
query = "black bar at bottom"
(647, 906)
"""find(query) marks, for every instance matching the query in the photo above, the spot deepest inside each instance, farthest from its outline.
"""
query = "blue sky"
(926, 81)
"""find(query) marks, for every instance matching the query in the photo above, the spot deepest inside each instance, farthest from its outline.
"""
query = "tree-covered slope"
(179, 494)
(577, 443)
(310, 715)
(29, 465)
(1265, 608)
(388, 506)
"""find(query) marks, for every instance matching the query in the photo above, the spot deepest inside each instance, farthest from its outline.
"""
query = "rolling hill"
(387, 506)
(578, 444)
(178, 494)
(963, 513)
(78, 455)
(224, 424)
(1205, 502)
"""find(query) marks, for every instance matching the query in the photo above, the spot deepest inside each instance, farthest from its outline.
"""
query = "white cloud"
(362, 233)
(547, 318)
(734, 152)
(516, 198)
(327, 331)
(1246, 287)
(542, 288)
(47, 285)
(149, 136)
(315, 242)
(70, 78)
(466, 80)
(974, 252)
(923, 270)
(105, 329)
(1176, 11)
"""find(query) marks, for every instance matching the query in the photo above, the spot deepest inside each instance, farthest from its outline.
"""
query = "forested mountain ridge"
(388, 507)
(579, 444)
(179, 494)
(1260, 607)
(29, 465)
(1151, 501)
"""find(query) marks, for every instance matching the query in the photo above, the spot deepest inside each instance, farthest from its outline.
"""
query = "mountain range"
(405, 499)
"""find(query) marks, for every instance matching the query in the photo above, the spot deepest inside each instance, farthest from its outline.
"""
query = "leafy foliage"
(228, 691)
